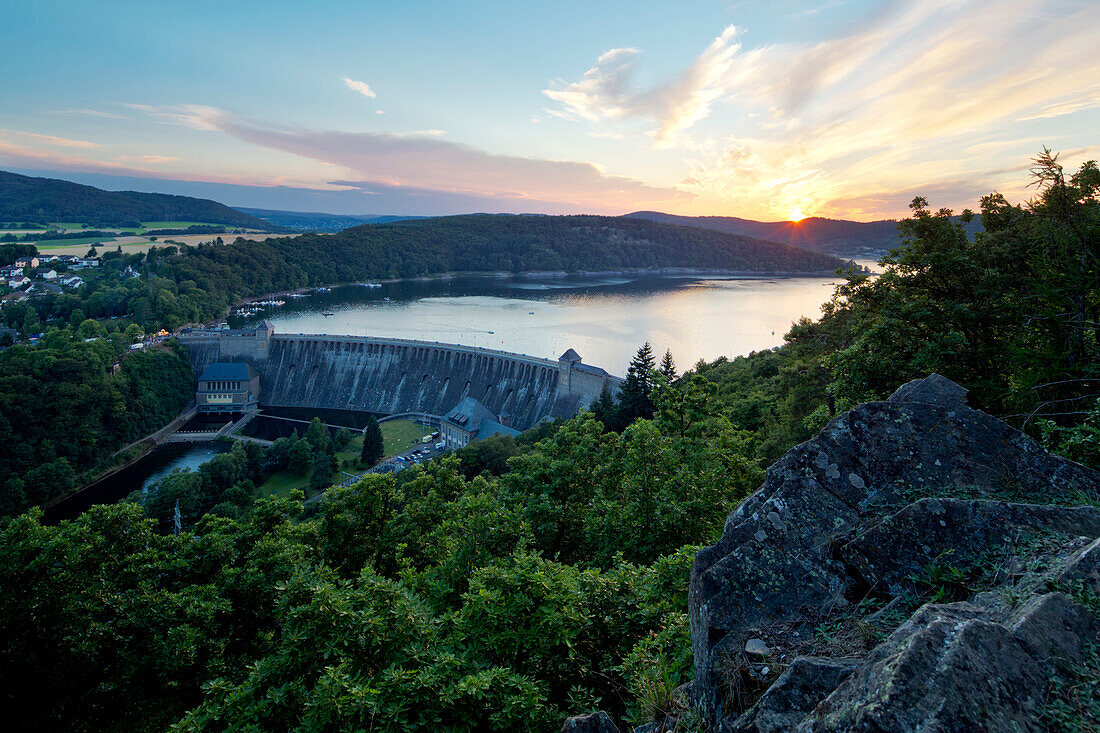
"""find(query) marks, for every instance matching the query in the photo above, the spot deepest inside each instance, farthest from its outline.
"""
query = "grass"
(72, 242)
(282, 483)
(397, 435)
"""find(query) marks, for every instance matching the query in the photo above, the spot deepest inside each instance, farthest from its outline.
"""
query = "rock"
(949, 668)
(857, 476)
(756, 648)
(933, 390)
(1054, 627)
(598, 722)
(797, 692)
(899, 547)
(1082, 567)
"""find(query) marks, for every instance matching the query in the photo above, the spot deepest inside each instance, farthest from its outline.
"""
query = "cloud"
(91, 113)
(422, 160)
(147, 159)
(1090, 100)
(61, 142)
(428, 162)
(606, 91)
(195, 116)
(359, 86)
(898, 104)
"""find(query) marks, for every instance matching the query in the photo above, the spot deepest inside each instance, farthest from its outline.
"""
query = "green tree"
(668, 367)
(605, 409)
(317, 436)
(373, 446)
(634, 396)
(322, 471)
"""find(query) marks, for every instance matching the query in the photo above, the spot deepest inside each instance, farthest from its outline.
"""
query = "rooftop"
(224, 370)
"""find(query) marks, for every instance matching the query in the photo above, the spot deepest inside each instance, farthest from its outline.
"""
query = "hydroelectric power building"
(398, 376)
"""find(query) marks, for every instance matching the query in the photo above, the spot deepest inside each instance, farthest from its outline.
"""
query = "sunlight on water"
(604, 320)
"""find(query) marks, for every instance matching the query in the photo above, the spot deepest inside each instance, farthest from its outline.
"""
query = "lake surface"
(604, 319)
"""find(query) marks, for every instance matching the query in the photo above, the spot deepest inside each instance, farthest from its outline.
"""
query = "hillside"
(314, 221)
(518, 243)
(53, 200)
(835, 236)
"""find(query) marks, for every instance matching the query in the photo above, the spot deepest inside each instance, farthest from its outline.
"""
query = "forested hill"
(835, 236)
(509, 243)
(53, 200)
(310, 221)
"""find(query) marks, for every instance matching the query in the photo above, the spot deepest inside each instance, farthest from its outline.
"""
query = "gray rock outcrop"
(916, 497)
(598, 722)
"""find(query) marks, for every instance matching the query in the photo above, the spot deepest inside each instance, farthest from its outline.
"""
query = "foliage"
(56, 200)
(507, 584)
(63, 410)
(373, 445)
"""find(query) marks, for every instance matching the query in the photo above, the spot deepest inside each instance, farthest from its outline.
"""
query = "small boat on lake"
(327, 313)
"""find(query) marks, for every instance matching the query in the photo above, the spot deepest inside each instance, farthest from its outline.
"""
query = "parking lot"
(414, 454)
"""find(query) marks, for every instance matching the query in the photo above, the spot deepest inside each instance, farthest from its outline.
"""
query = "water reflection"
(604, 319)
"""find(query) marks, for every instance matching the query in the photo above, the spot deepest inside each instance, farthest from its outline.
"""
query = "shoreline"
(671, 272)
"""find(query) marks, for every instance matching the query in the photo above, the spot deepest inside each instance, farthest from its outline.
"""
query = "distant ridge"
(511, 243)
(316, 221)
(54, 200)
(834, 236)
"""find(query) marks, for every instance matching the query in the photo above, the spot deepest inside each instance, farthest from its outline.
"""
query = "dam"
(392, 376)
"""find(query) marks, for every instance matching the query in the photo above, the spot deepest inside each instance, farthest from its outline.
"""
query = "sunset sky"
(766, 110)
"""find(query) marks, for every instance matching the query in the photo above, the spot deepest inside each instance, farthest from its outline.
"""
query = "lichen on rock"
(917, 497)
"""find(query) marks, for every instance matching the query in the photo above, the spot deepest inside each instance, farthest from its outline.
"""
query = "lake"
(604, 319)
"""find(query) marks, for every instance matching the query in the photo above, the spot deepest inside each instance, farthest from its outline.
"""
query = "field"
(179, 224)
(397, 435)
(134, 245)
(71, 242)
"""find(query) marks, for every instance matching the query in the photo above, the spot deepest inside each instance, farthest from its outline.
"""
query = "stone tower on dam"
(392, 376)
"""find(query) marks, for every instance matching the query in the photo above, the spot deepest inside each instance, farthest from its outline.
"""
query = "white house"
(20, 281)
(49, 275)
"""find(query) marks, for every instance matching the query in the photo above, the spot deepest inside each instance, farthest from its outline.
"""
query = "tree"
(322, 471)
(373, 446)
(634, 398)
(300, 453)
(668, 366)
(605, 410)
(317, 436)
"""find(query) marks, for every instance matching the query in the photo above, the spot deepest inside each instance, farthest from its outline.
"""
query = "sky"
(765, 110)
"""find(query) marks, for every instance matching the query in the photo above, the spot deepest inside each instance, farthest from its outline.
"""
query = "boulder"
(598, 722)
(949, 668)
(1082, 567)
(854, 510)
(803, 685)
(899, 547)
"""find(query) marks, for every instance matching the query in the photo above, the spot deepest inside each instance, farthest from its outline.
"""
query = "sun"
(795, 214)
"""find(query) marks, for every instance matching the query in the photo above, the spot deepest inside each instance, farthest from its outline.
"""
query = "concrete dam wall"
(391, 376)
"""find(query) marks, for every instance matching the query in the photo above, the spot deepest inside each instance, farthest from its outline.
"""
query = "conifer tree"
(634, 398)
(668, 366)
(373, 447)
(605, 410)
